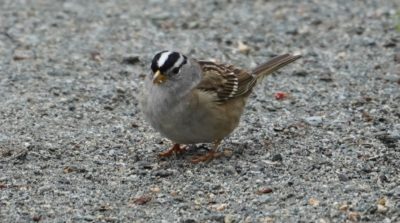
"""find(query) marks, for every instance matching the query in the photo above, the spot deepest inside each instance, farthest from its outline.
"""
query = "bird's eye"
(175, 70)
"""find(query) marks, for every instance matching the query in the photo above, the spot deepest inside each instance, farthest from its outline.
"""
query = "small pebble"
(343, 177)
(96, 56)
(142, 200)
(382, 208)
(301, 73)
(228, 152)
(264, 190)
(155, 189)
(22, 55)
(266, 220)
(277, 158)
(220, 207)
(314, 120)
(397, 57)
(354, 216)
(131, 60)
(229, 218)
(313, 202)
(243, 48)
(280, 95)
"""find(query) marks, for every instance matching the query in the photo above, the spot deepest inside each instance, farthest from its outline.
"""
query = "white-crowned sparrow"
(193, 101)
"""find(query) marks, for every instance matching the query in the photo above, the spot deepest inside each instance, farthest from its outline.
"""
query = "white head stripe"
(163, 58)
(179, 61)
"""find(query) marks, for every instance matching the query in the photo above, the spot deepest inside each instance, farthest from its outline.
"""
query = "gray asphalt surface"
(75, 148)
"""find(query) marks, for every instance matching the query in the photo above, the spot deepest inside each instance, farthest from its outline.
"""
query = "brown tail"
(274, 64)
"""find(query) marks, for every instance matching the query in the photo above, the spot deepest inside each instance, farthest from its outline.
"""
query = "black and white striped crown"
(168, 61)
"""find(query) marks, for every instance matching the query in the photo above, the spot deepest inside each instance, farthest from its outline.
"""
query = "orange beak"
(159, 78)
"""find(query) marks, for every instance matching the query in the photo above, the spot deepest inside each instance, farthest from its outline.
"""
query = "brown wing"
(227, 81)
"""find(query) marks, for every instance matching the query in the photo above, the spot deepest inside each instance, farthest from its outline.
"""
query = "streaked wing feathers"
(226, 81)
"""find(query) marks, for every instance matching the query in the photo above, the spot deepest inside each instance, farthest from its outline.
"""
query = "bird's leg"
(210, 155)
(175, 149)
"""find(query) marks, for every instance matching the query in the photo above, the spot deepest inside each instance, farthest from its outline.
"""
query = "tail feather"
(274, 64)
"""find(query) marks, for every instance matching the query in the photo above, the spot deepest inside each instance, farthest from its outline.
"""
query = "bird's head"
(166, 65)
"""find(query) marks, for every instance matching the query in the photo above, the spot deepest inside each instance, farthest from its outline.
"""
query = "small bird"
(193, 101)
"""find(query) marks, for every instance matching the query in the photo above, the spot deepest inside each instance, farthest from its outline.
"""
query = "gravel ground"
(74, 147)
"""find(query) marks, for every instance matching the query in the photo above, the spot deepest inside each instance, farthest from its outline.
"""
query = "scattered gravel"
(75, 148)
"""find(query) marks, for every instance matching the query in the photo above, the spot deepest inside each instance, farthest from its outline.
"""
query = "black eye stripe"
(175, 70)
(184, 61)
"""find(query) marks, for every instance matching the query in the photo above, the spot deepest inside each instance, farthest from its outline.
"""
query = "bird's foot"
(210, 155)
(175, 149)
